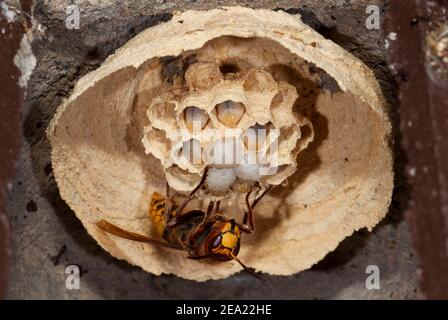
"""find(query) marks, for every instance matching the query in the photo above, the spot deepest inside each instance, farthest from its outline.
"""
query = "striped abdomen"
(157, 212)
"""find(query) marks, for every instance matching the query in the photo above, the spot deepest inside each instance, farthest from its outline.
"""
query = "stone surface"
(49, 237)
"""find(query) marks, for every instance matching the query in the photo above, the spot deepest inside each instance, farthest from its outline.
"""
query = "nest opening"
(229, 67)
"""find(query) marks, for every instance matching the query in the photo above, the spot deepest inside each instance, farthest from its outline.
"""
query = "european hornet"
(203, 234)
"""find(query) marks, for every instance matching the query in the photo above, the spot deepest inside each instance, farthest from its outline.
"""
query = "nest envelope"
(112, 138)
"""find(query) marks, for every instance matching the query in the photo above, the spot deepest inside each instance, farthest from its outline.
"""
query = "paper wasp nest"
(222, 118)
(173, 89)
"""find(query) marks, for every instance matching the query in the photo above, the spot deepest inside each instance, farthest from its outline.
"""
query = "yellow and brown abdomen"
(157, 212)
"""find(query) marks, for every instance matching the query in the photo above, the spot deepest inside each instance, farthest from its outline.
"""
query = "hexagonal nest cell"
(185, 94)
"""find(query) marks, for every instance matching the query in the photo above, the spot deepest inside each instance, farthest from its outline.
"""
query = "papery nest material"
(344, 177)
(229, 109)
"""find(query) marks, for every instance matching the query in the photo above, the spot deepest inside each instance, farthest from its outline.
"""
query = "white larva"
(220, 179)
